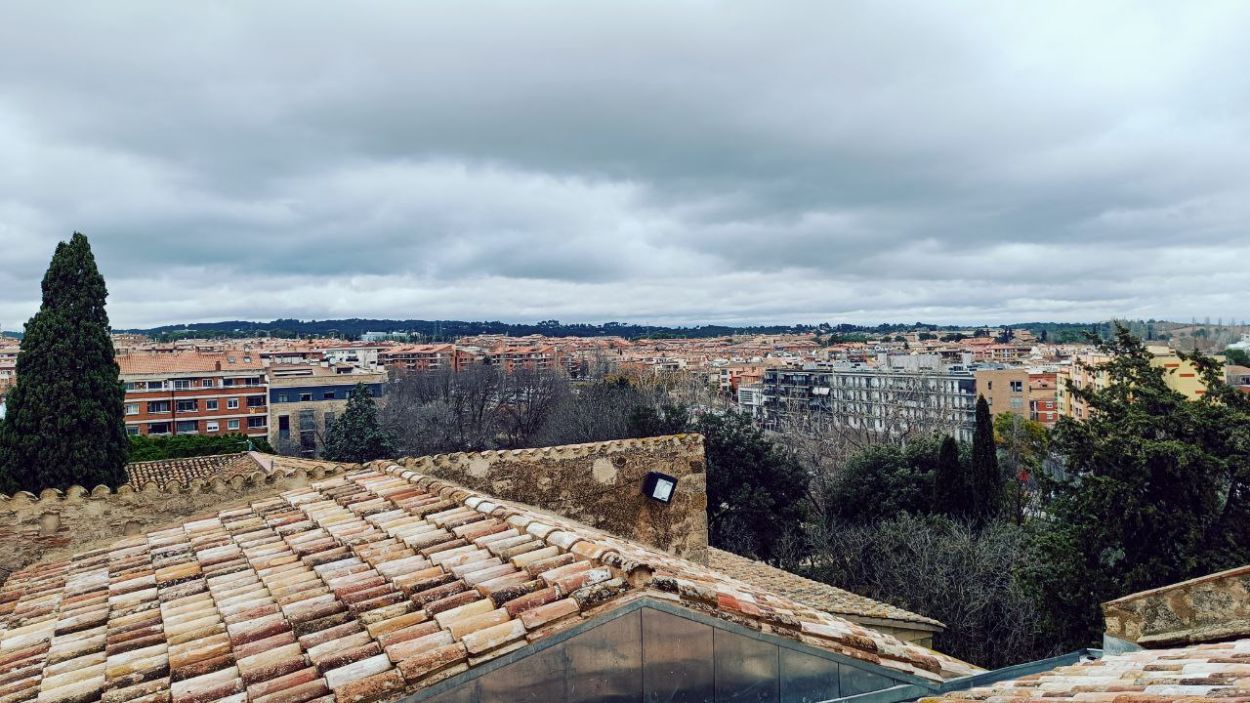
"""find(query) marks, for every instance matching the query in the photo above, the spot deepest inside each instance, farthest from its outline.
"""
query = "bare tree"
(529, 398)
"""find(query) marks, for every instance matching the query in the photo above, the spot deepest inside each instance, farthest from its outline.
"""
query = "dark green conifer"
(65, 414)
(357, 436)
(952, 494)
(986, 477)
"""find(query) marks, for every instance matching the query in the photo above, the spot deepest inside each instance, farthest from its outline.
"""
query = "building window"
(132, 430)
(282, 397)
(232, 404)
(188, 426)
(307, 421)
(156, 385)
(211, 426)
(210, 405)
(284, 427)
(182, 384)
(206, 383)
(188, 406)
(132, 408)
(130, 385)
(158, 406)
(158, 428)
(1017, 386)
(305, 397)
(256, 422)
(227, 382)
(232, 424)
(328, 395)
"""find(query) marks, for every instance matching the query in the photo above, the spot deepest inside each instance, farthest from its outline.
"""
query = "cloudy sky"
(660, 161)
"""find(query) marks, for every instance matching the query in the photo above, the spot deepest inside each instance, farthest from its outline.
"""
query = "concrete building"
(1006, 390)
(195, 393)
(305, 399)
(883, 402)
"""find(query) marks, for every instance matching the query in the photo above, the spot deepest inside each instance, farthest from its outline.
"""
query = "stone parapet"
(1207, 609)
(597, 483)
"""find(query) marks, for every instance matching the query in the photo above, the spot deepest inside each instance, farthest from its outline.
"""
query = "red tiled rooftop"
(357, 588)
(187, 362)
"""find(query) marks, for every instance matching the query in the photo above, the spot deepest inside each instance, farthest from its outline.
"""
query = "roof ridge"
(644, 567)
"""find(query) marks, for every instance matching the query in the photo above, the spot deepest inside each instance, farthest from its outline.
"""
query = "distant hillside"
(447, 329)
(11, 335)
(450, 329)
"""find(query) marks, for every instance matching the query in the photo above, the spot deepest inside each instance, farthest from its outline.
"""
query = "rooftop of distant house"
(184, 470)
(188, 362)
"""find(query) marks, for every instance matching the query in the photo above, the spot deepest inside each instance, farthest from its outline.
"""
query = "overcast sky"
(664, 161)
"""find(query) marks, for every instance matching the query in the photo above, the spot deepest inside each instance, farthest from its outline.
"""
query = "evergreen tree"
(985, 476)
(357, 436)
(756, 491)
(951, 490)
(1158, 489)
(65, 415)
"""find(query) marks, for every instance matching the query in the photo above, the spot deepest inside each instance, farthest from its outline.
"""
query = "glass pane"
(746, 669)
(605, 664)
(806, 678)
(677, 659)
(539, 678)
(856, 681)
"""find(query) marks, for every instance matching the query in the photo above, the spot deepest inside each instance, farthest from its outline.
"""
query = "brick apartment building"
(425, 357)
(1043, 397)
(195, 393)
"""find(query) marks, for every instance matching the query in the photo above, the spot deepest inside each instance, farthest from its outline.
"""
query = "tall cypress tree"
(357, 436)
(987, 479)
(65, 414)
(952, 492)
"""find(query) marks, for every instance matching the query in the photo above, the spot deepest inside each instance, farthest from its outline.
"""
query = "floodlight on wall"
(659, 487)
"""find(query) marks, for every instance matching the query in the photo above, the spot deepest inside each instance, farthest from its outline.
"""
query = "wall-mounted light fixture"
(658, 486)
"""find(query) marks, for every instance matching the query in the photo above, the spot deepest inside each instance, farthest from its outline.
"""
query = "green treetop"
(357, 436)
(64, 423)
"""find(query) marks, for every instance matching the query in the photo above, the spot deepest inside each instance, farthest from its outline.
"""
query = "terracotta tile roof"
(188, 362)
(818, 595)
(1217, 671)
(357, 588)
(184, 470)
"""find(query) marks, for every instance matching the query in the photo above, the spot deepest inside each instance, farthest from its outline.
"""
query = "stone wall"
(1207, 609)
(598, 483)
(55, 524)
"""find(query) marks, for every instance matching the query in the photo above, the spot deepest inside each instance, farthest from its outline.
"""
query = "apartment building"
(1043, 402)
(424, 357)
(364, 356)
(1006, 390)
(1181, 376)
(305, 399)
(195, 393)
(881, 401)
(511, 358)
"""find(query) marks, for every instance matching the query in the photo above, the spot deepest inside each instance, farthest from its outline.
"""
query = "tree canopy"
(755, 489)
(65, 414)
(1157, 488)
(357, 436)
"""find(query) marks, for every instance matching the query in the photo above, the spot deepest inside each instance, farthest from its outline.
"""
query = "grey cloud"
(667, 161)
